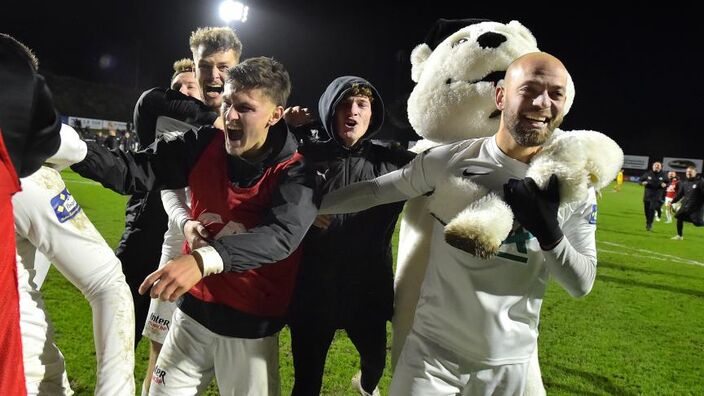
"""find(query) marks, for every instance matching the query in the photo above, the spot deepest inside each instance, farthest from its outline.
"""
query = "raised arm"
(415, 179)
(165, 164)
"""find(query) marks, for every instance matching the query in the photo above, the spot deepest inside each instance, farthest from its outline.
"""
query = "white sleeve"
(415, 179)
(573, 261)
(176, 206)
(52, 221)
(71, 150)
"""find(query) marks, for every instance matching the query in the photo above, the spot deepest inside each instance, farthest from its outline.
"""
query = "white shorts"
(161, 312)
(159, 320)
(668, 201)
(425, 368)
(192, 354)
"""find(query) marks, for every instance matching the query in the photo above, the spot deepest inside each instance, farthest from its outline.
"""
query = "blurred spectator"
(670, 193)
(691, 194)
(654, 183)
(619, 181)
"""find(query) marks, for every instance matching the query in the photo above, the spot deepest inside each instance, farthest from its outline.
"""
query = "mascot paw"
(470, 241)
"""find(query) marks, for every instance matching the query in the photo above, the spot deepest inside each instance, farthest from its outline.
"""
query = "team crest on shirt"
(515, 247)
(592, 215)
(65, 206)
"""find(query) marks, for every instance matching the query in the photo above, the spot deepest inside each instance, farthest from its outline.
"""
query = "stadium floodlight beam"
(231, 10)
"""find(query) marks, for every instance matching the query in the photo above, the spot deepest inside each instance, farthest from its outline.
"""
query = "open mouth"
(493, 77)
(350, 123)
(536, 120)
(213, 90)
(234, 134)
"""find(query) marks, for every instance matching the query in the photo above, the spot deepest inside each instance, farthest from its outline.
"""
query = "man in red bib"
(252, 202)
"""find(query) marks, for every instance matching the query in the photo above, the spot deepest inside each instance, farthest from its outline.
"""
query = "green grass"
(640, 331)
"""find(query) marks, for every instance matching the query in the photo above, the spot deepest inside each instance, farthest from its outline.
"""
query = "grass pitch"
(640, 330)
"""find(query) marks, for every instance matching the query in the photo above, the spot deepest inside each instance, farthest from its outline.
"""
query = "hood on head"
(332, 96)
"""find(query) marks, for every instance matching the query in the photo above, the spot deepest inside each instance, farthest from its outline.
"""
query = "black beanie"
(443, 28)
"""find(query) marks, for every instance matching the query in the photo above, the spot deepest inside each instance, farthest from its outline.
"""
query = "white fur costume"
(454, 100)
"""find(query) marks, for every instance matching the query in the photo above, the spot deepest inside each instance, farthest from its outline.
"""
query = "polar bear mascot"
(454, 100)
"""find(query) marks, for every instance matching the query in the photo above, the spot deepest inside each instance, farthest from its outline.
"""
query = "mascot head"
(455, 82)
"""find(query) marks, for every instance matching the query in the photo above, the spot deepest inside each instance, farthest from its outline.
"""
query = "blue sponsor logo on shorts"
(592, 215)
(65, 207)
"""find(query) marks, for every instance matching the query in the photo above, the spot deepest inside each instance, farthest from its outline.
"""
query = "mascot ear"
(419, 55)
(524, 33)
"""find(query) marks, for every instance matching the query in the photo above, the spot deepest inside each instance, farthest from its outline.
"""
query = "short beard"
(531, 137)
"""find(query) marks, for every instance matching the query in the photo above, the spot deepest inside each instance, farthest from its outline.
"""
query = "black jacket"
(691, 192)
(167, 164)
(654, 191)
(145, 212)
(28, 121)
(348, 266)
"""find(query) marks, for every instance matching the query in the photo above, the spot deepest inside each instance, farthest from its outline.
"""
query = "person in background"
(654, 185)
(690, 192)
(670, 193)
(619, 181)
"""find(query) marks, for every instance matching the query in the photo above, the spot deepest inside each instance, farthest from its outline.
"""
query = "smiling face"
(454, 95)
(248, 114)
(211, 71)
(352, 117)
(532, 99)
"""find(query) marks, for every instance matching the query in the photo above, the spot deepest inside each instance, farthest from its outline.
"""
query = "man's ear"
(276, 115)
(499, 97)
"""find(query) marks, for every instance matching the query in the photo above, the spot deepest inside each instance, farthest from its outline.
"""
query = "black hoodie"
(347, 268)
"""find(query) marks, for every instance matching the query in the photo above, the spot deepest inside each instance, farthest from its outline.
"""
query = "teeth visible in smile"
(536, 118)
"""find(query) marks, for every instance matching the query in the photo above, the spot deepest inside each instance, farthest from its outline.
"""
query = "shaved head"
(532, 99)
(535, 62)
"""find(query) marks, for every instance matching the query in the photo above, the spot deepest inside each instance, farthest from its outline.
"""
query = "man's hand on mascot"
(174, 279)
(536, 209)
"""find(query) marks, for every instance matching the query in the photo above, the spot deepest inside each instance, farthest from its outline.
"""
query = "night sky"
(638, 78)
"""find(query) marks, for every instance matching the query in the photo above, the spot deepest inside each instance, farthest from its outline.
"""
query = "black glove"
(535, 209)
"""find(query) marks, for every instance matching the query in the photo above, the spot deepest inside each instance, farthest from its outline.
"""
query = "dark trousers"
(139, 251)
(650, 207)
(680, 227)
(311, 339)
